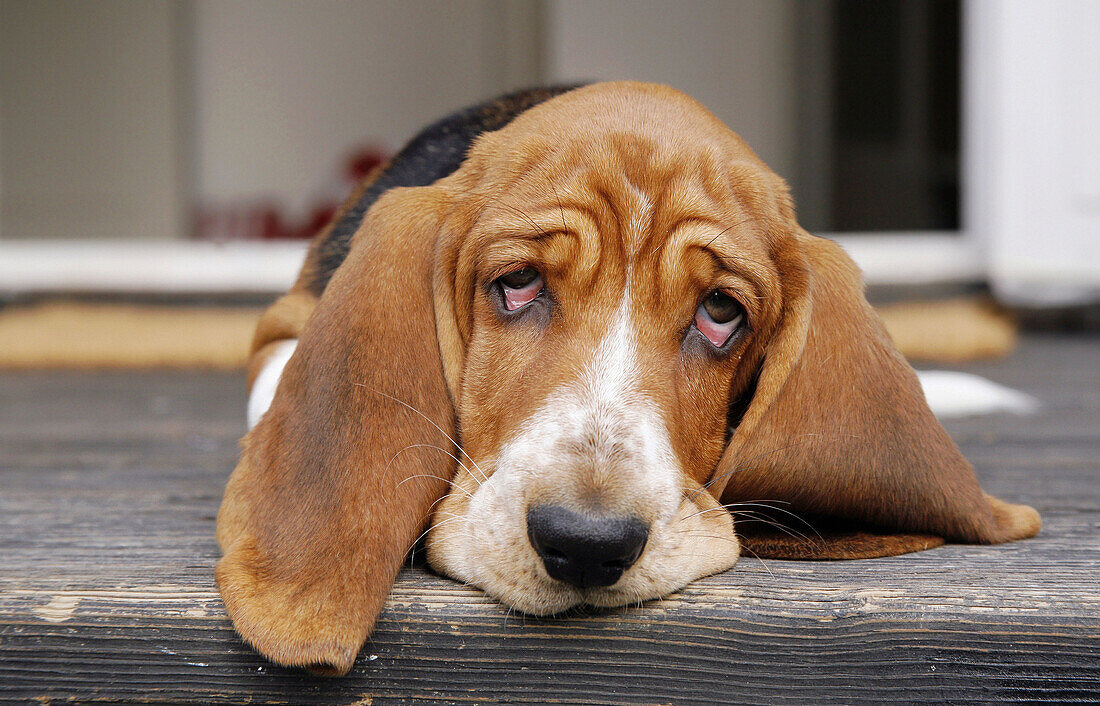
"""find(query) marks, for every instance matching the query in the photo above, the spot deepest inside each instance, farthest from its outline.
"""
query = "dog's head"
(611, 309)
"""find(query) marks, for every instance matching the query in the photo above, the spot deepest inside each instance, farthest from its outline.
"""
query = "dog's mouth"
(532, 575)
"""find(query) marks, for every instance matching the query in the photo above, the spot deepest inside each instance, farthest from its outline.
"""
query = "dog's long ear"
(337, 479)
(838, 429)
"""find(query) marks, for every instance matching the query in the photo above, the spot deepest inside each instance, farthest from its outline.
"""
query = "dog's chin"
(553, 597)
(570, 599)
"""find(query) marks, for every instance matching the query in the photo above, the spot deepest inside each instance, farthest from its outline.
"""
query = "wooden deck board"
(109, 484)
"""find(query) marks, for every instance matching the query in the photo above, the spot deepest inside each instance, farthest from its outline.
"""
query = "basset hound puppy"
(573, 328)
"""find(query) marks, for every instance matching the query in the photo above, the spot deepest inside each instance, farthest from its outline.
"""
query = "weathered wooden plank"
(696, 652)
(109, 484)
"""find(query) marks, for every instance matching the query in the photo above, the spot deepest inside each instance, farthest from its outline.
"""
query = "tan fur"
(631, 200)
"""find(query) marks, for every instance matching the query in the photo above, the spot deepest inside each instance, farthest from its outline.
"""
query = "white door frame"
(1031, 165)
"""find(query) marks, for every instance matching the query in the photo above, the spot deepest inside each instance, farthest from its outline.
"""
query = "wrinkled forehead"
(624, 152)
(630, 191)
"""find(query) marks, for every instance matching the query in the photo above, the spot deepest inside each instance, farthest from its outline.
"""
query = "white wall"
(283, 89)
(117, 117)
(735, 56)
(89, 120)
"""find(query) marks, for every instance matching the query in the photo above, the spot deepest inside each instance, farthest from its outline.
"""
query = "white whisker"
(437, 448)
(429, 420)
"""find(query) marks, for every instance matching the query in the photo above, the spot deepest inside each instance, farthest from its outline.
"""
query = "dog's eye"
(719, 317)
(520, 287)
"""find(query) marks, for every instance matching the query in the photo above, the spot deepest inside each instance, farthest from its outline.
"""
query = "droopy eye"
(719, 317)
(520, 287)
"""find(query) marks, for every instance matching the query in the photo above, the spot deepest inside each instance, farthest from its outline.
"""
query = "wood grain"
(109, 484)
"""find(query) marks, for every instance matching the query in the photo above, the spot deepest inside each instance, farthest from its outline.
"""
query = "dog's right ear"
(337, 479)
(838, 428)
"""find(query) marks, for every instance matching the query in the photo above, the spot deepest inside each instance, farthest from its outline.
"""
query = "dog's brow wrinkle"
(611, 204)
(639, 227)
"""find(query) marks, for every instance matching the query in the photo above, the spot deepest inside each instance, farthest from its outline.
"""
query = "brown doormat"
(96, 335)
(950, 330)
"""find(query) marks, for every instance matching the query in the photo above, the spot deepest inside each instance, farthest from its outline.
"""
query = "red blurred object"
(363, 163)
(264, 220)
(243, 220)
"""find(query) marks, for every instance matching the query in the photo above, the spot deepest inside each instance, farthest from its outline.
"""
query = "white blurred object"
(1031, 147)
(167, 266)
(952, 394)
(263, 390)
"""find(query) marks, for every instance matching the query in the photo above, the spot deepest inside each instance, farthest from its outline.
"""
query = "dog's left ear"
(838, 429)
(337, 479)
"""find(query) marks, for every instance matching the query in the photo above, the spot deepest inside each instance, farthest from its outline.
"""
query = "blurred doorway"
(879, 95)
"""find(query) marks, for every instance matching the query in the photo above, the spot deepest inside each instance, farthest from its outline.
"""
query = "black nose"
(585, 550)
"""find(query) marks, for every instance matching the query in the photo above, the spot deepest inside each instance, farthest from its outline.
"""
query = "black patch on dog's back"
(437, 151)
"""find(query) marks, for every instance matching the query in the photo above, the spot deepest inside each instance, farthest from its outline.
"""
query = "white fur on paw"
(952, 394)
(263, 390)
